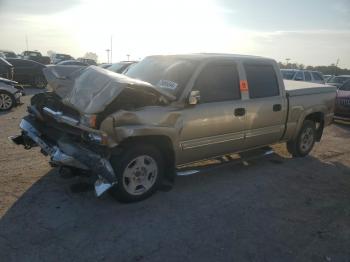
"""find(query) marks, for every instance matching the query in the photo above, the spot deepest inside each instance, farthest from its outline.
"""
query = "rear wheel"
(303, 144)
(7, 100)
(139, 170)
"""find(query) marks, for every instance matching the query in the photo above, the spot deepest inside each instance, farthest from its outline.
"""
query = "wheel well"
(318, 118)
(163, 143)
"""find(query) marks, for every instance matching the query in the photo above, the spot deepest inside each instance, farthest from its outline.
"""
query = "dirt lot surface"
(274, 209)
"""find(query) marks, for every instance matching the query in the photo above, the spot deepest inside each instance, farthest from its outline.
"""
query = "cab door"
(215, 125)
(266, 109)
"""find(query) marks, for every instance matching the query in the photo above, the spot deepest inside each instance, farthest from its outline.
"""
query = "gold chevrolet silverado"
(132, 131)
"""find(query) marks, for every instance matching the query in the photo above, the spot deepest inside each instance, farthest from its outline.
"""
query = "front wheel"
(139, 170)
(7, 101)
(303, 144)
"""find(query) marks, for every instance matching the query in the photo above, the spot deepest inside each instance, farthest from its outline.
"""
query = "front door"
(216, 124)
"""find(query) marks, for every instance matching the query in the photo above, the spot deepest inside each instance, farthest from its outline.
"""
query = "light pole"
(108, 50)
(128, 56)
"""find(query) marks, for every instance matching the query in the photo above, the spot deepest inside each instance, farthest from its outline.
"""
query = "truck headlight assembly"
(89, 120)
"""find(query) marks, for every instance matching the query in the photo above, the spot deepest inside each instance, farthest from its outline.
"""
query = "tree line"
(326, 70)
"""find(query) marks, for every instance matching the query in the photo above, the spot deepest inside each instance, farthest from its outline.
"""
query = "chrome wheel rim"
(306, 139)
(5, 101)
(140, 175)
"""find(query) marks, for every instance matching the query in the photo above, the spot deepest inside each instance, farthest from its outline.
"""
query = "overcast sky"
(313, 32)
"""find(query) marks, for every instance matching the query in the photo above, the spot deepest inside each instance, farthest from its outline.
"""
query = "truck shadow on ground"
(270, 209)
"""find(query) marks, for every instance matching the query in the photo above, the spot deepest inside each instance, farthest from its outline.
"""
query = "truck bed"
(298, 88)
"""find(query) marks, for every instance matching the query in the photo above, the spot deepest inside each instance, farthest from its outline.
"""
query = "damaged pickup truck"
(132, 131)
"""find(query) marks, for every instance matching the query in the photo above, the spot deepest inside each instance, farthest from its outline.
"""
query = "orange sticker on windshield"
(243, 86)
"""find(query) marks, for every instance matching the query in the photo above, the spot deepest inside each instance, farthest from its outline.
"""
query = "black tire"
(126, 161)
(7, 101)
(299, 147)
(39, 81)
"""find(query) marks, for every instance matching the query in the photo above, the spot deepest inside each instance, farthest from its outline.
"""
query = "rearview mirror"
(194, 98)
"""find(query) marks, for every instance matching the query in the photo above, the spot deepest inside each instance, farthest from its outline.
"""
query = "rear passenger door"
(266, 108)
(215, 125)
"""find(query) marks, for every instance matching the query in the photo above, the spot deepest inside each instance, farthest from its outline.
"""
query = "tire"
(7, 100)
(39, 82)
(305, 140)
(139, 170)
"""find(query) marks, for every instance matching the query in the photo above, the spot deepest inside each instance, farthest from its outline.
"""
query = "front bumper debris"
(68, 153)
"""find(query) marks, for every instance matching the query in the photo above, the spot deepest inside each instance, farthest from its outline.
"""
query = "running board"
(243, 158)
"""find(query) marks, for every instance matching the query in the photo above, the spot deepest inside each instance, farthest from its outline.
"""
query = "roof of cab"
(217, 56)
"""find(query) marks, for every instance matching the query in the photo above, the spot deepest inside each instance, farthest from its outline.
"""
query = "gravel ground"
(273, 209)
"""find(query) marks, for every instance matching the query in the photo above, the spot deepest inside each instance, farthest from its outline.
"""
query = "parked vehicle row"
(303, 75)
(133, 131)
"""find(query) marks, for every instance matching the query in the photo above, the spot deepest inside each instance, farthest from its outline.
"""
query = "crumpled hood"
(91, 89)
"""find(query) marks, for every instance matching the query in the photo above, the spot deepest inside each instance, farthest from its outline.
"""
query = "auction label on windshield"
(167, 84)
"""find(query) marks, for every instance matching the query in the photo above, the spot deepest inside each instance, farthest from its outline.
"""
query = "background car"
(338, 81)
(87, 61)
(28, 72)
(61, 57)
(8, 54)
(72, 62)
(121, 66)
(342, 104)
(10, 95)
(327, 77)
(36, 56)
(302, 75)
(105, 66)
(6, 69)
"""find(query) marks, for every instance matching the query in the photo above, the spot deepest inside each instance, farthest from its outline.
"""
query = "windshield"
(168, 73)
(288, 74)
(338, 79)
(118, 67)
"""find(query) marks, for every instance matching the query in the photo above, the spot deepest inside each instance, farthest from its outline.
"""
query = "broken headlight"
(89, 121)
(96, 138)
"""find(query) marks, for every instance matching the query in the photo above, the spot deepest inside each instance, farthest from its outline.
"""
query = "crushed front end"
(57, 130)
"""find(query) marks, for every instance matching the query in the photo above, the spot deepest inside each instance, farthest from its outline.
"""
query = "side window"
(218, 82)
(262, 80)
(307, 76)
(299, 76)
(317, 76)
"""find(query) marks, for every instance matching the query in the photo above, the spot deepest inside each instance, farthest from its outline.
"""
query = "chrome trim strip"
(194, 143)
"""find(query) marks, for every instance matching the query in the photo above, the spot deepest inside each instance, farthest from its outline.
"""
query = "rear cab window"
(262, 80)
(218, 82)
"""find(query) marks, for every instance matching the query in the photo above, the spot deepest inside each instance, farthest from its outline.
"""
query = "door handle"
(239, 111)
(277, 107)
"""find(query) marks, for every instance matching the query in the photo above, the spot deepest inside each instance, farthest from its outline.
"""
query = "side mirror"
(194, 98)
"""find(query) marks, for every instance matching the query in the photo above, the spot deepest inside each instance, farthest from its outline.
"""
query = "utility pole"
(287, 60)
(108, 50)
(26, 43)
(336, 66)
(111, 48)
(128, 56)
